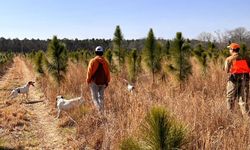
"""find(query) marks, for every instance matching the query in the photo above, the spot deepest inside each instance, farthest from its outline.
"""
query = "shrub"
(159, 131)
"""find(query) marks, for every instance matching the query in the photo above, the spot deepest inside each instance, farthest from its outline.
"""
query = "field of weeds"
(200, 106)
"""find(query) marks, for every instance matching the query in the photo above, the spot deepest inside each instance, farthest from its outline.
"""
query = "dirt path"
(42, 131)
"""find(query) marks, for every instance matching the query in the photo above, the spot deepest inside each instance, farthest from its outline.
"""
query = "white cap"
(99, 49)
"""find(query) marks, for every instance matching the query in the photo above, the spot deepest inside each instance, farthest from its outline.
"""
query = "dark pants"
(238, 89)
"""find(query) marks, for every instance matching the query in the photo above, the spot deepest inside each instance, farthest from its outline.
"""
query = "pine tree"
(213, 53)
(165, 58)
(86, 56)
(160, 131)
(166, 49)
(180, 52)
(109, 56)
(74, 56)
(57, 60)
(133, 64)
(201, 55)
(117, 45)
(243, 50)
(152, 54)
(39, 58)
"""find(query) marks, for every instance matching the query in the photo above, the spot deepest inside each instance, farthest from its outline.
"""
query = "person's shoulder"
(231, 58)
(92, 60)
(101, 58)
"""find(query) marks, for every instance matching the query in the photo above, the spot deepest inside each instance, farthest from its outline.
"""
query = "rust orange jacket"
(93, 65)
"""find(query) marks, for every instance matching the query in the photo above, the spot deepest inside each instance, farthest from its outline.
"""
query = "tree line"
(28, 45)
(241, 35)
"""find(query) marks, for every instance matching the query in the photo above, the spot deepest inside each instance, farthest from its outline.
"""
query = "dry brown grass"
(14, 117)
(12, 114)
(200, 106)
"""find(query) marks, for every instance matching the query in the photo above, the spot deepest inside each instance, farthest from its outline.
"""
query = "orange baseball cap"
(233, 46)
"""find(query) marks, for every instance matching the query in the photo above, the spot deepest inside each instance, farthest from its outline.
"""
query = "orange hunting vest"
(239, 67)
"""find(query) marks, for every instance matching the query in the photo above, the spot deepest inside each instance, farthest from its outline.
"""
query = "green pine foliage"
(57, 60)
(152, 54)
(109, 56)
(180, 53)
(5, 59)
(39, 62)
(133, 65)
(117, 46)
(31, 55)
(244, 53)
(224, 53)
(165, 59)
(243, 50)
(202, 56)
(74, 56)
(85, 56)
(213, 52)
(161, 131)
(166, 49)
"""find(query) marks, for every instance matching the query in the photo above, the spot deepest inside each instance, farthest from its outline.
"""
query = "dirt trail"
(43, 132)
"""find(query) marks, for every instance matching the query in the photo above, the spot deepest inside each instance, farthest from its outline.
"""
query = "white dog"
(66, 105)
(21, 90)
(130, 87)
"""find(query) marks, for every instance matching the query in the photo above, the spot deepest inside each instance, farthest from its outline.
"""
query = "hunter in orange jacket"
(93, 65)
(98, 77)
(238, 81)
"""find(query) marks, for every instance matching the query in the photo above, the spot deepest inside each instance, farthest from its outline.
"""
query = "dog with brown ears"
(24, 90)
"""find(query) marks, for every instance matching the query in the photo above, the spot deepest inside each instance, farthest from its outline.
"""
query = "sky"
(85, 19)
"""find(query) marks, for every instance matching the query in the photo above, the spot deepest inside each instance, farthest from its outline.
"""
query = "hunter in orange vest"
(98, 78)
(238, 82)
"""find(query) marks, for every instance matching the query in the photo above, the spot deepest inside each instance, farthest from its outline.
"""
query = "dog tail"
(126, 81)
(11, 95)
